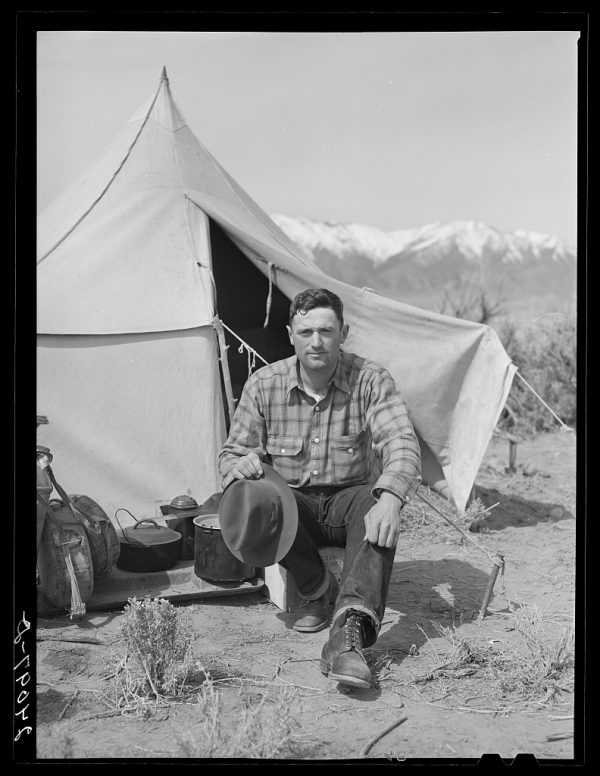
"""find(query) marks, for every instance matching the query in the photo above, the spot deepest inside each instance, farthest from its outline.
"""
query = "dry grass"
(380, 662)
(532, 669)
(544, 670)
(267, 729)
(420, 517)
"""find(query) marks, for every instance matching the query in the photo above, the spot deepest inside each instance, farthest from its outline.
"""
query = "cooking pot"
(212, 559)
(147, 546)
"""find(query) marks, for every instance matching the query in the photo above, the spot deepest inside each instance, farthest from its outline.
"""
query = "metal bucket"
(212, 559)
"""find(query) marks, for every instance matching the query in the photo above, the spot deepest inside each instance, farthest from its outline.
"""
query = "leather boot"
(314, 615)
(342, 656)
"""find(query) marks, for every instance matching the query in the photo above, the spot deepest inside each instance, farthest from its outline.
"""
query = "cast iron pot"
(154, 548)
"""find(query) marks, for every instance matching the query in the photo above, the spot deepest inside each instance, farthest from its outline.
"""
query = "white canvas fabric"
(128, 416)
(128, 371)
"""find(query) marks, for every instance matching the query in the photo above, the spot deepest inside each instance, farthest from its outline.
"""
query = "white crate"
(281, 589)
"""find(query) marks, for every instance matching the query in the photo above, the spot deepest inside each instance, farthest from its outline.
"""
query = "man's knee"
(361, 500)
(365, 494)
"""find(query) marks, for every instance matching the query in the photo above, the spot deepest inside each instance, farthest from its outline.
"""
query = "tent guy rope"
(536, 394)
(249, 348)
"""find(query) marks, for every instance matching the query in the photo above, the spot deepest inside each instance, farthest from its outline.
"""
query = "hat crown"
(260, 513)
(259, 518)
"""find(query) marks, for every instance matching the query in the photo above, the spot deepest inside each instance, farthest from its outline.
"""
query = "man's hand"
(247, 468)
(382, 521)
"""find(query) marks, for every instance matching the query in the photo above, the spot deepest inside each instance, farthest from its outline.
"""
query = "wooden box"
(280, 588)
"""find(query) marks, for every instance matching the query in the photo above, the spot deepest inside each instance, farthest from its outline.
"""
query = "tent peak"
(163, 75)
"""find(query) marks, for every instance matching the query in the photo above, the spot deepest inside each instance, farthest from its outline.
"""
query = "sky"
(390, 129)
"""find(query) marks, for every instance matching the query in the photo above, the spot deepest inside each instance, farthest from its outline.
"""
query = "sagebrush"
(159, 641)
(545, 353)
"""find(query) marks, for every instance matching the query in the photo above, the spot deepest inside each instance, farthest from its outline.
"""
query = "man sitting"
(317, 418)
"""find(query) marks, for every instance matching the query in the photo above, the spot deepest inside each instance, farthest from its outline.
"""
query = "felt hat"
(259, 518)
(182, 506)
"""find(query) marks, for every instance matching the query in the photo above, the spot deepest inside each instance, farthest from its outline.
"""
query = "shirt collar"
(340, 376)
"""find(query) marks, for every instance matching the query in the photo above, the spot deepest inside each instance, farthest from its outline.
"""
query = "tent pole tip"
(163, 75)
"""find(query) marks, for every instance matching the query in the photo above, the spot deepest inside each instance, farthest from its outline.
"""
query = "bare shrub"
(471, 304)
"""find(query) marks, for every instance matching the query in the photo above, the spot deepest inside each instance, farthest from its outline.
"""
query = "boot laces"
(353, 631)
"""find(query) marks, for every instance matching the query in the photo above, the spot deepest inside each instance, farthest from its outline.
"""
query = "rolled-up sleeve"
(247, 433)
(394, 440)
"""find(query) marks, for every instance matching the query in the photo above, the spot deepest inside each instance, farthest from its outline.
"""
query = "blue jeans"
(335, 516)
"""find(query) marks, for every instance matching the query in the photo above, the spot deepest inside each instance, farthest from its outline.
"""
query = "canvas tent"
(137, 258)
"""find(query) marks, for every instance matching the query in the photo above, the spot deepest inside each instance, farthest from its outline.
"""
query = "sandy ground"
(252, 653)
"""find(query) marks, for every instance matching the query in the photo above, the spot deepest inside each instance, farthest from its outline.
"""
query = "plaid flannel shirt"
(359, 433)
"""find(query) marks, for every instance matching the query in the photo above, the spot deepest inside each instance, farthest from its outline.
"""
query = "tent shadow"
(515, 510)
(447, 592)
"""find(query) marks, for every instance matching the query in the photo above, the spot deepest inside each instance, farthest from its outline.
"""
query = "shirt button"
(283, 449)
(350, 449)
(317, 408)
(316, 439)
(315, 472)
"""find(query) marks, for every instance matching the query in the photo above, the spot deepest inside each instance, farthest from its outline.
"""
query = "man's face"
(317, 336)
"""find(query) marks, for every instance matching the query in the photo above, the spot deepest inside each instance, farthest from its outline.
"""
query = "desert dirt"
(453, 708)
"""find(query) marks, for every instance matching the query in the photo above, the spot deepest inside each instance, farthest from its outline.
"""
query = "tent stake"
(512, 453)
(497, 558)
(498, 564)
(225, 366)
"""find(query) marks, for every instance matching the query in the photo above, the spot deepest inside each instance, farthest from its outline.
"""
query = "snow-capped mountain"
(344, 239)
(416, 265)
(472, 238)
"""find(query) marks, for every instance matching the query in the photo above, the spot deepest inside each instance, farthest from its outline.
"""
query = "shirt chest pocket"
(349, 459)
(286, 457)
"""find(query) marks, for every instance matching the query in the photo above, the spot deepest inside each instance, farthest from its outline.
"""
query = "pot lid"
(148, 533)
(181, 506)
(184, 502)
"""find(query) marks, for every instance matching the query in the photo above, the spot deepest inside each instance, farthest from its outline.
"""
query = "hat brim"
(272, 552)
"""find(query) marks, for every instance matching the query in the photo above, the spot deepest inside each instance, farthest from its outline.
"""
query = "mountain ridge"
(337, 236)
(420, 265)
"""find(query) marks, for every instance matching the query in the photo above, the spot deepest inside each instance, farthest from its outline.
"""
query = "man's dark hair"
(317, 297)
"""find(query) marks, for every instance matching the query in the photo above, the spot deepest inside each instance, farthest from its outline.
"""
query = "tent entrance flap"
(243, 293)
